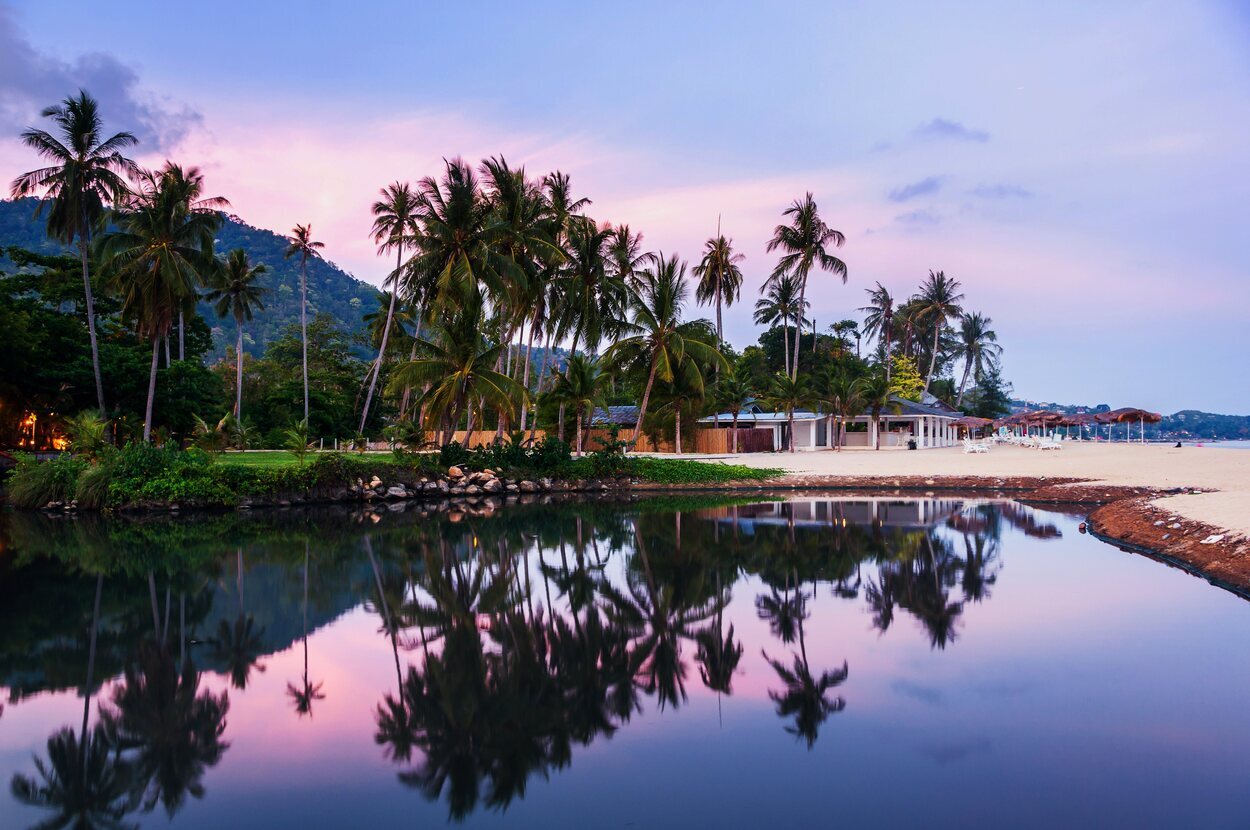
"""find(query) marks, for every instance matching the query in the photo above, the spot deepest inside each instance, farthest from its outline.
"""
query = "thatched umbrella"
(1129, 415)
(1080, 420)
(971, 422)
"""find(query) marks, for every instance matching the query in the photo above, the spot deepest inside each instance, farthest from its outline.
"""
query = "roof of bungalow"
(903, 409)
(625, 416)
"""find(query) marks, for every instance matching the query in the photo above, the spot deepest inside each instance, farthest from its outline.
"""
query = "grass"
(279, 458)
(688, 471)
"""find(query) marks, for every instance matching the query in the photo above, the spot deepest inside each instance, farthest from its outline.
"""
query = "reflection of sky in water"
(1091, 688)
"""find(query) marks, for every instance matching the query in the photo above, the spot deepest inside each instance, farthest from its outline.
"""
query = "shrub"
(34, 483)
(87, 433)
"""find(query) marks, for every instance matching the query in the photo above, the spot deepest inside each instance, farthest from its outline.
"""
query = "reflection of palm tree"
(84, 782)
(173, 731)
(240, 646)
(308, 692)
(804, 696)
(718, 654)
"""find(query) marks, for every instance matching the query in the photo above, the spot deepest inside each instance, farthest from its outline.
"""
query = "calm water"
(685, 663)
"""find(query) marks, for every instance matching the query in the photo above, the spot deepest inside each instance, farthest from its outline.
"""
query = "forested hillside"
(330, 289)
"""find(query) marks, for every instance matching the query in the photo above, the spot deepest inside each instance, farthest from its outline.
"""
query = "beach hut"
(971, 423)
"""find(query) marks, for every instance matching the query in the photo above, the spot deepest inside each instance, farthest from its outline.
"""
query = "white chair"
(975, 447)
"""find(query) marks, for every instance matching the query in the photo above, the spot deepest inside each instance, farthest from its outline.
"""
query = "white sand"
(1150, 465)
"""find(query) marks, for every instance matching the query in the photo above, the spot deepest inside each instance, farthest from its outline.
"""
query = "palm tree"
(236, 293)
(733, 390)
(684, 394)
(160, 247)
(804, 242)
(581, 386)
(978, 346)
(655, 336)
(720, 278)
(302, 243)
(879, 320)
(185, 187)
(456, 365)
(842, 396)
(395, 228)
(308, 692)
(788, 394)
(780, 304)
(938, 301)
(84, 175)
(595, 298)
(874, 392)
(626, 255)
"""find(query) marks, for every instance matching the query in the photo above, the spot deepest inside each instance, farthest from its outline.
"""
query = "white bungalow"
(929, 424)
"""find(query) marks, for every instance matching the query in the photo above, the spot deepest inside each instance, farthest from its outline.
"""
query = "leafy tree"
(991, 396)
(905, 380)
(85, 175)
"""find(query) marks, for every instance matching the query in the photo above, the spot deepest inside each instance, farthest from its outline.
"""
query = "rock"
(443, 486)
(512, 488)
(457, 490)
(492, 486)
(375, 482)
(455, 472)
(1212, 539)
(397, 492)
(544, 483)
(489, 472)
(472, 490)
(528, 487)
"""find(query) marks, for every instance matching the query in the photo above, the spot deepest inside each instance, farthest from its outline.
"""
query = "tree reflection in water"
(517, 635)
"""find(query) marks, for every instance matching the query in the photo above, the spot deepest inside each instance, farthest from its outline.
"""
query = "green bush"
(688, 471)
(34, 483)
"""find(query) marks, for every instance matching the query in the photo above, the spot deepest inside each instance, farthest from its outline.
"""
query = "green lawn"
(276, 458)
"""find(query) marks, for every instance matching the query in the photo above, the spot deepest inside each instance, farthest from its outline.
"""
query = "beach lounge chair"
(975, 446)
(1049, 444)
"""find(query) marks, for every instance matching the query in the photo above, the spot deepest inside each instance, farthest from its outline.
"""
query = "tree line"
(494, 271)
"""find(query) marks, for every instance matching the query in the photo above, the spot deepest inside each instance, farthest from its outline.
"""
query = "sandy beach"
(1125, 465)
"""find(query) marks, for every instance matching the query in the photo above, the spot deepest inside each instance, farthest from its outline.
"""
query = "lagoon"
(685, 661)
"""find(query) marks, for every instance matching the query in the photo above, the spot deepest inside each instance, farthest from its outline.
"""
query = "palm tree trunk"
(735, 428)
(677, 429)
(937, 332)
(785, 342)
(646, 396)
(798, 329)
(238, 373)
(959, 401)
(578, 415)
(386, 332)
(525, 378)
(412, 355)
(720, 330)
(182, 339)
(165, 340)
(147, 414)
(885, 355)
(95, 348)
(303, 323)
(790, 425)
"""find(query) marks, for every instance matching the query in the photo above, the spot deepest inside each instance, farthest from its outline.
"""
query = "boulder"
(455, 473)
(397, 492)
(375, 482)
(493, 485)
(528, 487)
(472, 490)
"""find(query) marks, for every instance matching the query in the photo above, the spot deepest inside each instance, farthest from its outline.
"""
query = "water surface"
(685, 662)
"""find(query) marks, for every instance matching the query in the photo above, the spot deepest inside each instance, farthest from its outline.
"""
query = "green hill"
(330, 289)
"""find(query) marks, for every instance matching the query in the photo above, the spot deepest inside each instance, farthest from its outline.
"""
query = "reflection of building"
(840, 512)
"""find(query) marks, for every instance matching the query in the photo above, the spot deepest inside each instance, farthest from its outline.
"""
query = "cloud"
(921, 188)
(1000, 191)
(31, 80)
(916, 691)
(941, 129)
(923, 216)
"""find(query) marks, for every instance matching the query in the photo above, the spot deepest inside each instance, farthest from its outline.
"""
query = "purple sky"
(1081, 168)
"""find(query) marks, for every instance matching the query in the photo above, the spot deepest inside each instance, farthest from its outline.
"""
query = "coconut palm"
(395, 228)
(84, 175)
(626, 255)
(160, 249)
(788, 394)
(307, 693)
(236, 292)
(780, 304)
(720, 277)
(978, 346)
(581, 386)
(456, 364)
(733, 391)
(595, 297)
(879, 319)
(301, 244)
(938, 302)
(874, 392)
(842, 397)
(655, 336)
(804, 243)
(684, 395)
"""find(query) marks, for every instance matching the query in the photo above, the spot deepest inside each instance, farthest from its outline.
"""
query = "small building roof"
(625, 416)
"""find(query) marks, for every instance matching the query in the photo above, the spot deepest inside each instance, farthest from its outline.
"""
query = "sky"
(1081, 168)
